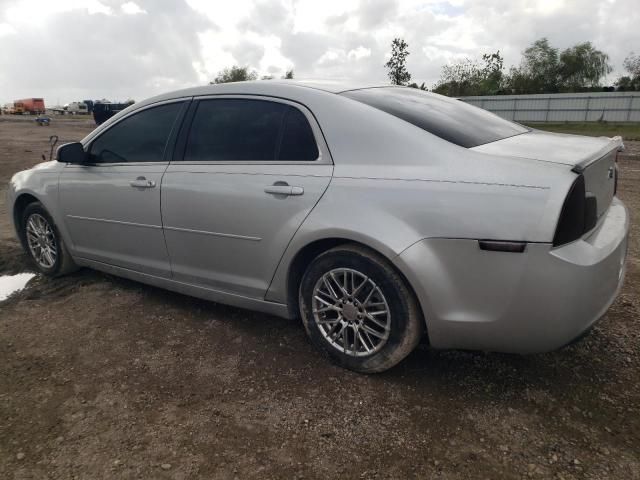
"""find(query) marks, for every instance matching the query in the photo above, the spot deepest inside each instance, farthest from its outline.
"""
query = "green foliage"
(632, 64)
(630, 82)
(419, 87)
(461, 78)
(243, 74)
(538, 71)
(492, 72)
(397, 64)
(468, 77)
(544, 69)
(626, 83)
(235, 74)
(583, 66)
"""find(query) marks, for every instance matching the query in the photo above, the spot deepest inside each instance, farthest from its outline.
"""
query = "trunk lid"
(593, 157)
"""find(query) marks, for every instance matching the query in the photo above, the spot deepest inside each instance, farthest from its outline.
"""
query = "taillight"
(571, 224)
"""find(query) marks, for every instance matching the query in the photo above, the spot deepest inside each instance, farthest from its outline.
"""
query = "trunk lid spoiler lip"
(614, 143)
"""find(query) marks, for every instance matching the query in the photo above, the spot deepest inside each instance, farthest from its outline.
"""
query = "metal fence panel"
(563, 107)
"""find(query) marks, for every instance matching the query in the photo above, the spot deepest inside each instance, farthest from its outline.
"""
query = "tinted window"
(452, 120)
(142, 137)
(298, 142)
(245, 130)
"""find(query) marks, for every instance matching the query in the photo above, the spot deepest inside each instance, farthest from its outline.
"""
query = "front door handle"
(142, 182)
(284, 190)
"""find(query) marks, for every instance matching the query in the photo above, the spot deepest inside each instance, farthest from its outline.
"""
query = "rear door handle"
(142, 182)
(284, 190)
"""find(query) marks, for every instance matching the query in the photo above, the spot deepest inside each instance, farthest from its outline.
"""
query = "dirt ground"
(105, 378)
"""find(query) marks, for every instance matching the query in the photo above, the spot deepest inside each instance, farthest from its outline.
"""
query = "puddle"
(13, 283)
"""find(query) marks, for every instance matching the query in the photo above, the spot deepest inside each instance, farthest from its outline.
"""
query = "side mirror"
(71, 153)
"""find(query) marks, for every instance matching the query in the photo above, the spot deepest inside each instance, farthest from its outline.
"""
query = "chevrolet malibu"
(378, 215)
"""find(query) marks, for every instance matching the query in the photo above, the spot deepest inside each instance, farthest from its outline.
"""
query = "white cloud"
(358, 53)
(7, 29)
(34, 13)
(131, 8)
(181, 42)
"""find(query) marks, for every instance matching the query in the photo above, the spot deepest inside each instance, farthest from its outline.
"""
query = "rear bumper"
(534, 301)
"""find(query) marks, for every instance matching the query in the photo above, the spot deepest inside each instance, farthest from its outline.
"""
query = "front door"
(251, 172)
(111, 205)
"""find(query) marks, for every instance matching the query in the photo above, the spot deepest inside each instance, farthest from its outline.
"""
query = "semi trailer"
(31, 106)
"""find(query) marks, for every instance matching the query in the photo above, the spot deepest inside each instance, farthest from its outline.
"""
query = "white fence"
(563, 107)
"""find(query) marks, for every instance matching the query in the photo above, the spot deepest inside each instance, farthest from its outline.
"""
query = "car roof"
(261, 87)
(332, 86)
(302, 91)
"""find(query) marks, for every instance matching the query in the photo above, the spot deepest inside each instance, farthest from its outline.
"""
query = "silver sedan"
(379, 215)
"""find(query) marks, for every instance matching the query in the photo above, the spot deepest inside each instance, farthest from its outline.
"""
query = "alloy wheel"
(351, 312)
(41, 241)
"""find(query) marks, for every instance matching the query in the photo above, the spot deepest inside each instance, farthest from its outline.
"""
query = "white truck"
(76, 108)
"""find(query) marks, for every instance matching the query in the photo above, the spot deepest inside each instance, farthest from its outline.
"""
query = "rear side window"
(249, 130)
(447, 118)
(141, 137)
(298, 142)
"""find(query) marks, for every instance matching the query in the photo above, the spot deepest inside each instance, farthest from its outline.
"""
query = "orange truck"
(32, 106)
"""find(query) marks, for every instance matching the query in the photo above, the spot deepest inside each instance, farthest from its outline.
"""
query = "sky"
(69, 50)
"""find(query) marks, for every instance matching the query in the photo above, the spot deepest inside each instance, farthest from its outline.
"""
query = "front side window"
(447, 118)
(141, 137)
(249, 130)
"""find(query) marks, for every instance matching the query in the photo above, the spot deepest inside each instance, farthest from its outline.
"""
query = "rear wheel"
(44, 243)
(358, 310)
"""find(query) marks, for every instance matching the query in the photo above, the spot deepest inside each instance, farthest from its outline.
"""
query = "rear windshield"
(452, 120)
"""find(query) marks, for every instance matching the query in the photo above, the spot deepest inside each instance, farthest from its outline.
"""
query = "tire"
(354, 332)
(36, 224)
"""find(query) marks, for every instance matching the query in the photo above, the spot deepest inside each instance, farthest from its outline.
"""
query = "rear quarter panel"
(391, 215)
(395, 184)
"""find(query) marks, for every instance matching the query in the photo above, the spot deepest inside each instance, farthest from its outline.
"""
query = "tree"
(461, 78)
(630, 82)
(544, 70)
(492, 76)
(582, 66)
(632, 64)
(288, 75)
(538, 71)
(625, 84)
(235, 74)
(419, 87)
(397, 64)
(469, 77)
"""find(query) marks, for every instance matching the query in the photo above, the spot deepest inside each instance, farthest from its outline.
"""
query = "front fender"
(41, 183)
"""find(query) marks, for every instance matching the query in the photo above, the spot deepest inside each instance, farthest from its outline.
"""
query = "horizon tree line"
(542, 69)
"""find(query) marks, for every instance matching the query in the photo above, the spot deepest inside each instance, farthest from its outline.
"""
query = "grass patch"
(628, 131)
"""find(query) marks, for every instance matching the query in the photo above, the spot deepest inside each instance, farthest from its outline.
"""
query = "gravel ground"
(106, 378)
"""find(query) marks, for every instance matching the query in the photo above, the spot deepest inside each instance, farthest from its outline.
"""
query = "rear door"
(246, 173)
(111, 204)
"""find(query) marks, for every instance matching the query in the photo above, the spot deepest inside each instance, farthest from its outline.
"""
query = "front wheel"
(44, 243)
(358, 310)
